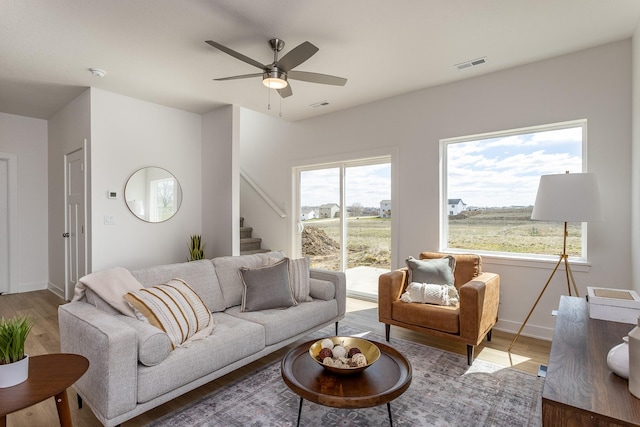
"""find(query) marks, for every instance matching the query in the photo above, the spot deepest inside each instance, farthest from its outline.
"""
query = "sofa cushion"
(281, 324)
(228, 267)
(321, 289)
(174, 308)
(233, 340)
(433, 271)
(200, 275)
(154, 345)
(266, 287)
(439, 317)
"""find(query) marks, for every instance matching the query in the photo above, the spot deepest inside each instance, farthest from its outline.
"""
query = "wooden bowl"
(369, 349)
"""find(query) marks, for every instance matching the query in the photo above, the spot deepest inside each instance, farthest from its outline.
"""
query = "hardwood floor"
(527, 355)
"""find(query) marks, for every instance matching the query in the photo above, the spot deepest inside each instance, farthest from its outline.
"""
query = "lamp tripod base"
(570, 281)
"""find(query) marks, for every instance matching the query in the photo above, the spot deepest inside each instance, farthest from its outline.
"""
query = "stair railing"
(262, 194)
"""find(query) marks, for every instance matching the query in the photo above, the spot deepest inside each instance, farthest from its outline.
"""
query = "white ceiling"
(154, 49)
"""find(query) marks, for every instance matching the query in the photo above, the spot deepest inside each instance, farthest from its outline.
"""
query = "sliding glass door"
(345, 220)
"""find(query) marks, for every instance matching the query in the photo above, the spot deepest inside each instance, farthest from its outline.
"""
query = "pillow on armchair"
(437, 271)
(431, 281)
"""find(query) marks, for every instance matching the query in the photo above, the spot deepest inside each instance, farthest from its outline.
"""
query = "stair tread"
(250, 240)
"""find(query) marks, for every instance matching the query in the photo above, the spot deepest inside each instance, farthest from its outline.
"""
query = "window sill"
(547, 262)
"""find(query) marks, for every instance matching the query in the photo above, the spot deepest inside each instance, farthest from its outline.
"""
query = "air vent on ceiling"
(471, 63)
(319, 104)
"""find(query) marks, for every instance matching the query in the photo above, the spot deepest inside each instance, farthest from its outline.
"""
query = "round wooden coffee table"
(49, 376)
(380, 383)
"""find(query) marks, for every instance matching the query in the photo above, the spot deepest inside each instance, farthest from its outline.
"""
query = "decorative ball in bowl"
(344, 355)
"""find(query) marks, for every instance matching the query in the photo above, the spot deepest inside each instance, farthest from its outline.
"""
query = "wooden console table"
(579, 389)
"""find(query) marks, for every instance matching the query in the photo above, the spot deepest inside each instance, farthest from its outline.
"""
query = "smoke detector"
(96, 72)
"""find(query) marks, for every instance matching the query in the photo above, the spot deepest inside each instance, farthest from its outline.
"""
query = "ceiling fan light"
(275, 79)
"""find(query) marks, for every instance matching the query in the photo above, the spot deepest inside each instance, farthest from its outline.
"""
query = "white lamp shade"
(568, 197)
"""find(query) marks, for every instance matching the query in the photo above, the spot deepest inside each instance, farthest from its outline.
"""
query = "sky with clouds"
(493, 172)
(505, 171)
(366, 185)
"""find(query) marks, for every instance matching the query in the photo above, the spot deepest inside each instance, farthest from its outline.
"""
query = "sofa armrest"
(110, 384)
(479, 299)
(339, 280)
(390, 288)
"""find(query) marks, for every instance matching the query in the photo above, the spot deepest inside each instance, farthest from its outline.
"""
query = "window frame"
(444, 206)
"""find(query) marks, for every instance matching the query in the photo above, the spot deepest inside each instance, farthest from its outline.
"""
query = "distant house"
(308, 214)
(328, 210)
(456, 206)
(385, 209)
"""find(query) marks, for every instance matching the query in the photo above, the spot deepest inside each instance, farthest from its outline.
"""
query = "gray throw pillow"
(437, 271)
(266, 287)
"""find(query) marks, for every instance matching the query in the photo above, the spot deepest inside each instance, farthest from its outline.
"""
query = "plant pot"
(14, 373)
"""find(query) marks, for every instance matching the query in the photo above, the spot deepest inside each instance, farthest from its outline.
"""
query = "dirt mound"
(316, 242)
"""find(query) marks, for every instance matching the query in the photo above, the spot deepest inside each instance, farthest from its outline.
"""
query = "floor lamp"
(567, 198)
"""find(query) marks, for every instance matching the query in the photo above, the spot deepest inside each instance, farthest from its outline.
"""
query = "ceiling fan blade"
(236, 55)
(243, 76)
(286, 91)
(324, 79)
(297, 56)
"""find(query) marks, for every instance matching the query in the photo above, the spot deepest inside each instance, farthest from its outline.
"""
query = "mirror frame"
(138, 192)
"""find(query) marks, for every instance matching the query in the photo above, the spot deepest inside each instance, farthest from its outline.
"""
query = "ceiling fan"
(277, 74)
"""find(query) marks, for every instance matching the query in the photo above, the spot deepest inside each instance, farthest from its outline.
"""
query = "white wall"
(126, 135)
(220, 182)
(594, 84)
(635, 178)
(68, 130)
(26, 138)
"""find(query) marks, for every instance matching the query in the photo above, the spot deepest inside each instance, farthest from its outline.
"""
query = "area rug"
(444, 391)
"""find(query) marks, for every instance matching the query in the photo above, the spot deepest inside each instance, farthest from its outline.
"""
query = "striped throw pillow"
(174, 308)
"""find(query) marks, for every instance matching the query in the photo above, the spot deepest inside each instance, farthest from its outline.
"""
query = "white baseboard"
(29, 287)
(529, 330)
(56, 289)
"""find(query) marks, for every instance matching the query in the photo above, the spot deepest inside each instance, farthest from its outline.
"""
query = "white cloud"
(506, 171)
(366, 185)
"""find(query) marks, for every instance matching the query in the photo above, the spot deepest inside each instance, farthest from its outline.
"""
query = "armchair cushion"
(432, 271)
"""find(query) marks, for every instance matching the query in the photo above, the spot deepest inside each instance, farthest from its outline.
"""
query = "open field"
(511, 230)
(501, 230)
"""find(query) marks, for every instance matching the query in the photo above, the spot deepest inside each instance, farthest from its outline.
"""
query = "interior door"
(75, 219)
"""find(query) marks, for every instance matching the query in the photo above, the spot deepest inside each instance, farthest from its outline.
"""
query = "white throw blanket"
(110, 285)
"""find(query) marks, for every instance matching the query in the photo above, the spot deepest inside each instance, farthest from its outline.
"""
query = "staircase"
(248, 244)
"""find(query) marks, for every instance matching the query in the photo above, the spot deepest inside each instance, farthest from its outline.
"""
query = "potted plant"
(14, 364)
(196, 248)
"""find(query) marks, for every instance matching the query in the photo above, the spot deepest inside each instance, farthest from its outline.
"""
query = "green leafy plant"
(196, 248)
(13, 334)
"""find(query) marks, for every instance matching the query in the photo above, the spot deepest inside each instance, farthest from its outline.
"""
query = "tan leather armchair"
(468, 322)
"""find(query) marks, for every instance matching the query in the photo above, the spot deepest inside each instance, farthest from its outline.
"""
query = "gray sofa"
(131, 368)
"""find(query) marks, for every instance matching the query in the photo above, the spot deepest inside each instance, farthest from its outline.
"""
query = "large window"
(489, 185)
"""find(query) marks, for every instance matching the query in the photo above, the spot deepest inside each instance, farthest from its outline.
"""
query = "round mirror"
(153, 194)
